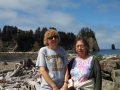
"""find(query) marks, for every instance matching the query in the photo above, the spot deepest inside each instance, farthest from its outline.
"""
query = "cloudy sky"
(102, 16)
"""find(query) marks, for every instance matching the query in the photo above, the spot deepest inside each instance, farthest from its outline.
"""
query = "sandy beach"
(10, 65)
(18, 77)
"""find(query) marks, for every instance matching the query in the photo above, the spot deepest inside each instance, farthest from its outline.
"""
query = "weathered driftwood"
(27, 64)
(19, 66)
(5, 71)
(30, 72)
(1, 87)
(34, 84)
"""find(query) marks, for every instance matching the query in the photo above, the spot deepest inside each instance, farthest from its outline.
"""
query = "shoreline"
(10, 65)
(18, 55)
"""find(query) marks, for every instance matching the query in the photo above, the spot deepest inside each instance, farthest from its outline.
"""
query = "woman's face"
(80, 48)
(53, 41)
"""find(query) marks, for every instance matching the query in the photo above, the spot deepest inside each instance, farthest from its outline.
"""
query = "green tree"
(53, 28)
(67, 40)
(25, 41)
(71, 40)
(86, 33)
(37, 34)
(41, 39)
(36, 47)
(0, 33)
(4, 36)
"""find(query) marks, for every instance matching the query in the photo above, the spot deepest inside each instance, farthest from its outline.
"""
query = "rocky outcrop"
(113, 47)
(93, 45)
(110, 66)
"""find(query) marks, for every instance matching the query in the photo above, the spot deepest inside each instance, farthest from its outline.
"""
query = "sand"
(10, 65)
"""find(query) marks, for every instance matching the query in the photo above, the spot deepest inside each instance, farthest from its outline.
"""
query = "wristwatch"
(66, 82)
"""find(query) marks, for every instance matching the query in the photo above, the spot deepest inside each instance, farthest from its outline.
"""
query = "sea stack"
(113, 47)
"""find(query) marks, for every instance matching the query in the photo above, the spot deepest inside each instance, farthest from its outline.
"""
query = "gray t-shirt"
(54, 61)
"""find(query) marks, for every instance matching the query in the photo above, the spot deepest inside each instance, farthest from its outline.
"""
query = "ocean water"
(106, 51)
(10, 58)
(101, 52)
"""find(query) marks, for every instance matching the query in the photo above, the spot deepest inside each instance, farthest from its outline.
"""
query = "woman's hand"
(55, 88)
(64, 87)
(48, 78)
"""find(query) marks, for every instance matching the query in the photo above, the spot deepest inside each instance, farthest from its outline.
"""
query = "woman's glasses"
(80, 46)
(51, 37)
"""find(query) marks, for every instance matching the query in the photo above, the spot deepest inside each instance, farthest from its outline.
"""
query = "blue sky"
(102, 16)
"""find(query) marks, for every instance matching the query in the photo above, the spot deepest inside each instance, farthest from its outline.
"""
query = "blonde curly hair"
(48, 33)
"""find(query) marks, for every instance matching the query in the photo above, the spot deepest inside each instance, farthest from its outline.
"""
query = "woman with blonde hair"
(52, 60)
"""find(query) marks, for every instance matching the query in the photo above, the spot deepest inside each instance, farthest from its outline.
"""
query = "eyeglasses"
(51, 37)
(81, 46)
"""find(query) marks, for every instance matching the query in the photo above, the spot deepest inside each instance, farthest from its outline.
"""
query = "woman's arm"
(69, 67)
(47, 78)
(98, 76)
(65, 85)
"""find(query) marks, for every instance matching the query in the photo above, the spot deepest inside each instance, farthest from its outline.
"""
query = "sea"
(102, 52)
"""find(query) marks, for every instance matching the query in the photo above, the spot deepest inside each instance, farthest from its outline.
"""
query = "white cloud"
(60, 18)
(31, 14)
(23, 4)
(106, 35)
(65, 4)
(7, 14)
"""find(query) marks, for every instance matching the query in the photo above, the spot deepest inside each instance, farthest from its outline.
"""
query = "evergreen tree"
(37, 34)
(41, 39)
(86, 33)
(26, 40)
(0, 33)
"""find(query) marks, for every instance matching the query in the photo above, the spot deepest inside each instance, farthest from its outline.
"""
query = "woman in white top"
(85, 66)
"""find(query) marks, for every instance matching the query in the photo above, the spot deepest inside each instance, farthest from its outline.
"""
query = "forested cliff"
(14, 39)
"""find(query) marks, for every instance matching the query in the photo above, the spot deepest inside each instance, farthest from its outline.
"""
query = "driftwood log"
(21, 66)
(24, 76)
(18, 68)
